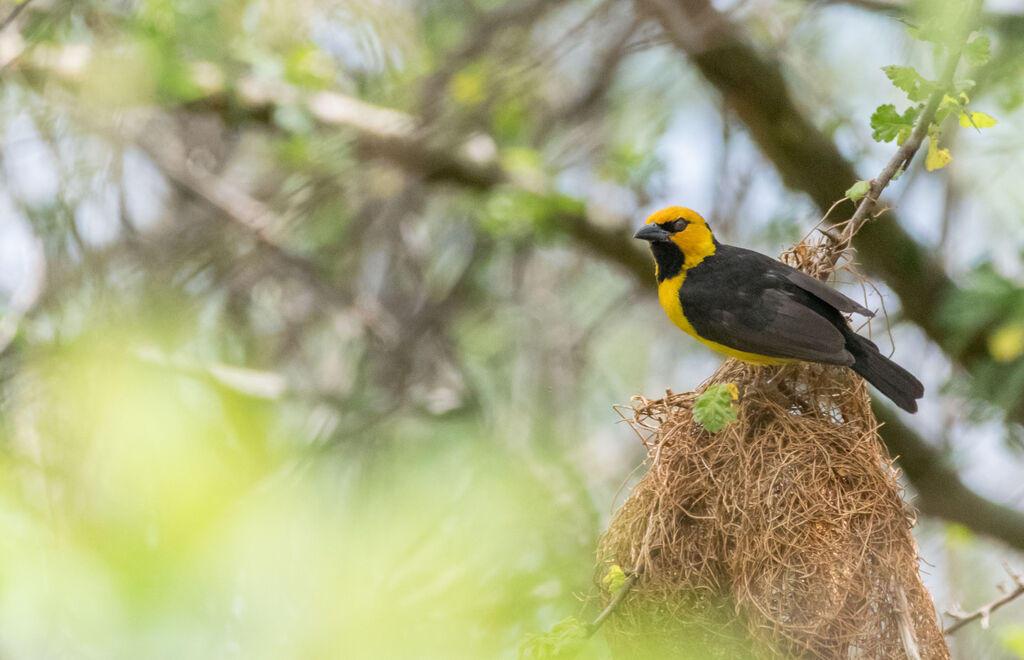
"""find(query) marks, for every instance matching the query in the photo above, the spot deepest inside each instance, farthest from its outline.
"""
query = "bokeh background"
(314, 312)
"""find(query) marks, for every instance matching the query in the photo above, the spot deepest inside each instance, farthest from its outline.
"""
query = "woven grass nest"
(783, 535)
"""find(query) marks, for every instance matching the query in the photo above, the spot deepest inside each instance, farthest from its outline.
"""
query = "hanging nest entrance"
(783, 535)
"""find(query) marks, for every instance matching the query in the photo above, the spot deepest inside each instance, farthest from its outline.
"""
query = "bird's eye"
(679, 224)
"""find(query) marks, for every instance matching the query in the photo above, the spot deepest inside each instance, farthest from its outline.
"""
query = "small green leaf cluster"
(713, 409)
(563, 642)
(614, 579)
(888, 123)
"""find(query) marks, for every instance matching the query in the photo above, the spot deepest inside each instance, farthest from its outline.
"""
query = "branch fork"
(961, 618)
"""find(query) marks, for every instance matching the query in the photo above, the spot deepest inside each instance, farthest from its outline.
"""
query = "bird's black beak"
(652, 233)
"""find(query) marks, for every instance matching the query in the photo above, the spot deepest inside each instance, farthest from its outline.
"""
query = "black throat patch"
(669, 259)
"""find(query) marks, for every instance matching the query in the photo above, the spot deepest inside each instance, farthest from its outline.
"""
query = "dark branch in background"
(10, 18)
(601, 81)
(254, 218)
(940, 492)
(961, 619)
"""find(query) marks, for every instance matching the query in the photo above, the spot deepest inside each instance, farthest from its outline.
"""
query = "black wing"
(750, 302)
(825, 292)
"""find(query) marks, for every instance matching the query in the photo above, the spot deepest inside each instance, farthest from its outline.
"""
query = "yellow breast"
(668, 294)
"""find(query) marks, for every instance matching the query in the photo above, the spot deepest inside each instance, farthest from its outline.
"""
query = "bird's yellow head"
(679, 238)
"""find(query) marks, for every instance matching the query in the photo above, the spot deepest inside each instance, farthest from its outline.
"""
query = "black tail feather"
(889, 378)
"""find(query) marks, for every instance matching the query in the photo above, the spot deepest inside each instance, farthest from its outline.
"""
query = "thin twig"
(14, 14)
(983, 612)
(594, 626)
(901, 159)
(903, 155)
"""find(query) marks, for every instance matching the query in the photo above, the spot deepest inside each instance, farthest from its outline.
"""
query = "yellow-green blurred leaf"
(308, 66)
(614, 579)
(958, 536)
(977, 120)
(563, 642)
(468, 86)
(937, 157)
(1012, 637)
(1006, 344)
(978, 51)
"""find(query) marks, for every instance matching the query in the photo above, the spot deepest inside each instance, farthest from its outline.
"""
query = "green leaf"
(858, 190)
(887, 124)
(713, 409)
(563, 642)
(910, 81)
(614, 579)
(977, 120)
(978, 51)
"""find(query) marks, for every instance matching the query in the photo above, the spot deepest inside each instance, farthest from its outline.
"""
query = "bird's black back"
(750, 302)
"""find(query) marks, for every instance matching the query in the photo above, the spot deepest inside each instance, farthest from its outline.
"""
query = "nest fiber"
(783, 535)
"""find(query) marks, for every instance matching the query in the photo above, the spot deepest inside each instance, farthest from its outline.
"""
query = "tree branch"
(596, 624)
(961, 619)
(940, 492)
(10, 18)
(905, 154)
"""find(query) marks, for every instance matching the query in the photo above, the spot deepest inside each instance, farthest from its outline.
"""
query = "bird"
(749, 306)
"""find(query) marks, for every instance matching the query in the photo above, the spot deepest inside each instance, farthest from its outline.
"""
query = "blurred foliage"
(142, 506)
(1013, 639)
(564, 641)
